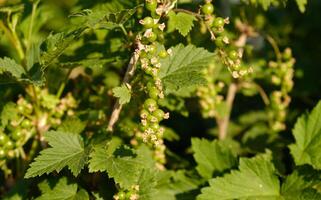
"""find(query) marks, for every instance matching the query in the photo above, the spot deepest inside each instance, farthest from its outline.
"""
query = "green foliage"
(308, 139)
(67, 149)
(62, 190)
(300, 184)
(123, 93)
(255, 179)
(183, 68)
(10, 66)
(126, 169)
(212, 157)
(211, 92)
(182, 22)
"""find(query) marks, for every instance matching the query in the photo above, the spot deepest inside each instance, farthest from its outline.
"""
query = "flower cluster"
(209, 95)
(131, 194)
(149, 58)
(282, 73)
(230, 56)
(24, 120)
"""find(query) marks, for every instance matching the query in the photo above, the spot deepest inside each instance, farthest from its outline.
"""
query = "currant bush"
(159, 100)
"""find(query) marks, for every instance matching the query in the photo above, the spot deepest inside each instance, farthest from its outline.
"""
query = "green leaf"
(255, 179)
(72, 125)
(182, 22)
(8, 65)
(171, 185)
(123, 93)
(56, 44)
(183, 68)
(124, 170)
(300, 183)
(302, 4)
(147, 184)
(212, 157)
(62, 191)
(90, 62)
(307, 134)
(67, 149)
(108, 16)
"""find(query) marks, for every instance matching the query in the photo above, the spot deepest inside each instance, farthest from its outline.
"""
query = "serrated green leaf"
(255, 179)
(56, 44)
(212, 157)
(72, 125)
(10, 66)
(123, 93)
(109, 16)
(302, 4)
(307, 134)
(171, 185)
(147, 183)
(124, 170)
(90, 62)
(183, 68)
(182, 22)
(63, 191)
(67, 149)
(299, 184)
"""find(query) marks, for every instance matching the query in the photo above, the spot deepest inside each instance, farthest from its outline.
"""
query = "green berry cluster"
(282, 73)
(9, 144)
(131, 194)
(209, 95)
(230, 55)
(151, 53)
(26, 120)
(50, 110)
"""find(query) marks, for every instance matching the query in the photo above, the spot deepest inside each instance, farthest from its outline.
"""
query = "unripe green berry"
(152, 37)
(218, 22)
(121, 195)
(219, 42)
(144, 113)
(159, 114)
(26, 123)
(208, 8)
(3, 153)
(150, 104)
(153, 93)
(152, 49)
(3, 139)
(152, 119)
(233, 55)
(163, 54)
(17, 134)
(148, 22)
(151, 5)
(9, 145)
(154, 126)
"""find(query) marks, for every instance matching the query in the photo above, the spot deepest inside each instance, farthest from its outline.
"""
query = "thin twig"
(129, 74)
(223, 122)
(275, 47)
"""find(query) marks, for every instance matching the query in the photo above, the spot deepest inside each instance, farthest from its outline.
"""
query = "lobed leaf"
(67, 149)
(255, 179)
(307, 134)
(212, 157)
(182, 69)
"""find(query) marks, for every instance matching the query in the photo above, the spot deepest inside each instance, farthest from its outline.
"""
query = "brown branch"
(118, 107)
(223, 122)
